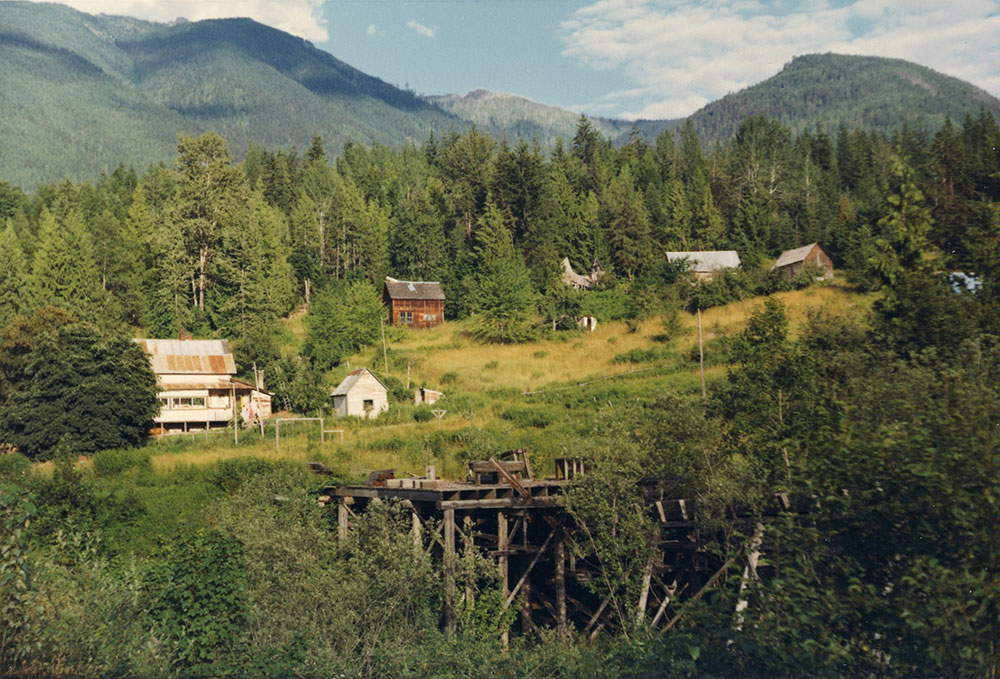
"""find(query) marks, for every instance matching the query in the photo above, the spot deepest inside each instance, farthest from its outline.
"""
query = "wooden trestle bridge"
(518, 521)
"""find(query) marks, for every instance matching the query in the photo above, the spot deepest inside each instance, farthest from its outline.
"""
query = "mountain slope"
(508, 114)
(834, 89)
(82, 93)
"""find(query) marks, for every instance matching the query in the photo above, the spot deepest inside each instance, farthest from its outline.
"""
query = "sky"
(617, 58)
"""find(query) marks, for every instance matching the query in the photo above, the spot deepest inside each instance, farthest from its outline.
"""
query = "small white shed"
(360, 394)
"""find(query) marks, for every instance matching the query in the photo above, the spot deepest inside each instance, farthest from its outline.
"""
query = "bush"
(113, 462)
(527, 417)
(14, 466)
(422, 414)
(231, 475)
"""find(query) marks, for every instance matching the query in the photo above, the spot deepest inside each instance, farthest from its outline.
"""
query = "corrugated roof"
(703, 261)
(348, 382)
(189, 357)
(413, 289)
(792, 256)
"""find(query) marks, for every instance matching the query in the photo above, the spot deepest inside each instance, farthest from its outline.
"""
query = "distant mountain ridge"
(80, 94)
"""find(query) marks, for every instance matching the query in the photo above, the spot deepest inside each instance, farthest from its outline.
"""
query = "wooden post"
(647, 579)
(236, 413)
(502, 559)
(385, 355)
(561, 587)
(407, 375)
(526, 622)
(415, 529)
(701, 358)
(449, 570)
(342, 520)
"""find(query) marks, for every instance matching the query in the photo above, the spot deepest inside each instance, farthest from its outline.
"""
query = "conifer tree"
(629, 233)
(501, 294)
(15, 295)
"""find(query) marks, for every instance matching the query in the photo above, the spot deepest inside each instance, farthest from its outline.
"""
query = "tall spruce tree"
(501, 295)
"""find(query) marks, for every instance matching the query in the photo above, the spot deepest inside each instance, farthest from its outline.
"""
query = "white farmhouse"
(197, 387)
(360, 394)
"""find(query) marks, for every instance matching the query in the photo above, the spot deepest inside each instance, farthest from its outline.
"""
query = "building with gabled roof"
(360, 394)
(706, 264)
(792, 262)
(414, 304)
(198, 389)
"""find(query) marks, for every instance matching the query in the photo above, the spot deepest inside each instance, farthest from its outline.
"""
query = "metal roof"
(703, 261)
(189, 357)
(348, 382)
(413, 289)
(792, 256)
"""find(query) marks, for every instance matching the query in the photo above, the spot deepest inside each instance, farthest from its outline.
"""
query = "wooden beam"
(449, 571)
(515, 484)
(510, 598)
(502, 538)
(561, 588)
(342, 520)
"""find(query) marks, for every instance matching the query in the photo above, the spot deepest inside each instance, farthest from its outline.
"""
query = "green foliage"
(501, 294)
(16, 512)
(422, 414)
(114, 462)
(342, 319)
(527, 417)
(98, 389)
(199, 601)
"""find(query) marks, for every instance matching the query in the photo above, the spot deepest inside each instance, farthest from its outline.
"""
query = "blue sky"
(622, 58)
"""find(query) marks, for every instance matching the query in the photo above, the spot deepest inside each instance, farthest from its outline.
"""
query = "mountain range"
(80, 94)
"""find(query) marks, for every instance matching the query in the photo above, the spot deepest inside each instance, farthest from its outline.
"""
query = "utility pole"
(701, 358)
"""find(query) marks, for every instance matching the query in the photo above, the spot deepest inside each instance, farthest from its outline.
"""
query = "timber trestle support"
(520, 524)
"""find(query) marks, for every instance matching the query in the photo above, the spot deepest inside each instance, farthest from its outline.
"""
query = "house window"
(406, 317)
(369, 405)
(187, 402)
(430, 318)
(164, 403)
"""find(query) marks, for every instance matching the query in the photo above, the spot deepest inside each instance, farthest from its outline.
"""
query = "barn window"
(405, 316)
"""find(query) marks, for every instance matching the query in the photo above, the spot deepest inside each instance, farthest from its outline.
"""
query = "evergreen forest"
(881, 412)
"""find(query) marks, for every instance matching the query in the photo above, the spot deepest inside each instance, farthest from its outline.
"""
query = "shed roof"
(702, 261)
(348, 382)
(189, 357)
(792, 256)
(413, 289)
(196, 384)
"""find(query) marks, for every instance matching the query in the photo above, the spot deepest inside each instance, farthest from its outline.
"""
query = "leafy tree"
(342, 319)
(97, 389)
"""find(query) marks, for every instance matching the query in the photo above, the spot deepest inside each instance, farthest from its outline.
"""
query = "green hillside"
(859, 92)
(84, 93)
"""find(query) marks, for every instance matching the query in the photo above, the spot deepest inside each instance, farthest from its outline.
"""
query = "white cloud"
(372, 30)
(678, 55)
(426, 31)
(303, 18)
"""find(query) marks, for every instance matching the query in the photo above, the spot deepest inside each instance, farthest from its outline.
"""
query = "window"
(181, 402)
(406, 317)
(430, 318)
(164, 403)
(369, 405)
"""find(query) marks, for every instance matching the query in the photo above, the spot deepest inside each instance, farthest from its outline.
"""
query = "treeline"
(217, 248)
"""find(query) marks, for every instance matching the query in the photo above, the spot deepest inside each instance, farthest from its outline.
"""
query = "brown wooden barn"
(414, 304)
(791, 262)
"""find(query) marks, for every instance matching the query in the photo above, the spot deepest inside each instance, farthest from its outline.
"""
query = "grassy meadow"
(540, 395)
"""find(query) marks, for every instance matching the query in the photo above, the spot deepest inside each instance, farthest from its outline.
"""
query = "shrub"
(14, 466)
(527, 417)
(422, 414)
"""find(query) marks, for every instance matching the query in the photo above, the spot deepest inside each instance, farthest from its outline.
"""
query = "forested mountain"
(83, 93)
(830, 90)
